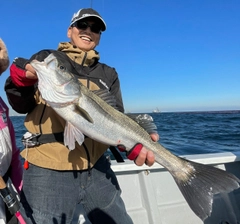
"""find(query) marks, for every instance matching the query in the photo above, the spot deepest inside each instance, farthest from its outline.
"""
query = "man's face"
(84, 38)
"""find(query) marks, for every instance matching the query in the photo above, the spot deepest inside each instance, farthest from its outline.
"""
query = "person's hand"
(30, 72)
(22, 73)
(140, 154)
(146, 156)
(4, 60)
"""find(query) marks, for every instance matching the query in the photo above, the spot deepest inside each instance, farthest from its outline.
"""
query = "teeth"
(86, 38)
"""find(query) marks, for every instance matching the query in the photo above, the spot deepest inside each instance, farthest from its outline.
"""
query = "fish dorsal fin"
(145, 121)
(79, 110)
(105, 95)
(71, 135)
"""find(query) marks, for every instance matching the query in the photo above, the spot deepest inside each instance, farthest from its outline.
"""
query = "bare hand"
(146, 156)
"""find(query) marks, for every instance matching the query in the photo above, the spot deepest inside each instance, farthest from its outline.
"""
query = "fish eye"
(61, 67)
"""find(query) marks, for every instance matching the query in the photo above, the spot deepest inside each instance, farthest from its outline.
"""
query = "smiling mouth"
(86, 38)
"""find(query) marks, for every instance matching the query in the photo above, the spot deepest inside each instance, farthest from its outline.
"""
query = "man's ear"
(69, 32)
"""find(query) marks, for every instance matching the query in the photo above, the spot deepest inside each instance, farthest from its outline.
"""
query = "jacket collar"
(79, 56)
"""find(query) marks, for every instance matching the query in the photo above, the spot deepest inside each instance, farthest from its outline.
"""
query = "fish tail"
(198, 184)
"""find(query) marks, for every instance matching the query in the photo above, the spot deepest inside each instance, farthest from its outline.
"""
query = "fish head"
(56, 84)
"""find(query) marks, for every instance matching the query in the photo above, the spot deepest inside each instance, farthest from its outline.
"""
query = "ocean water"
(199, 132)
(185, 133)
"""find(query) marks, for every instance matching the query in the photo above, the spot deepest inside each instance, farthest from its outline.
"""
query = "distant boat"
(156, 111)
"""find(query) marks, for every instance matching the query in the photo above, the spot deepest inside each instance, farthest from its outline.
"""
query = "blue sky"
(176, 55)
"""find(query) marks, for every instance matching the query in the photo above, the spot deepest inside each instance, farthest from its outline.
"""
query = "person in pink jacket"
(10, 163)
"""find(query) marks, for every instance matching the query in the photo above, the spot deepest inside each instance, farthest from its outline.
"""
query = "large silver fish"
(87, 114)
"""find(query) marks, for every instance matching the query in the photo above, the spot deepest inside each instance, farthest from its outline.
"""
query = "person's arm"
(21, 99)
(144, 156)
(21, 86)
(116, 91)
(16, 169)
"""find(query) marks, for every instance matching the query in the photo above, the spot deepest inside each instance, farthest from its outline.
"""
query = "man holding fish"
(57, 178)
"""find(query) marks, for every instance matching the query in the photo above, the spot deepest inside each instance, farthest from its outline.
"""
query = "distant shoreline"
(207, 112)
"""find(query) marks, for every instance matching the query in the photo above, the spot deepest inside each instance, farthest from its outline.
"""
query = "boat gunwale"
(209, 158)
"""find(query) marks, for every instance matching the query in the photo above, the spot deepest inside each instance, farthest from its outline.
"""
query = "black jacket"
(43, 119)
(22, 98)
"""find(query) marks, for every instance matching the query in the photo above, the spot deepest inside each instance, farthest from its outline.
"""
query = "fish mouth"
(49, 59)
(46, 63)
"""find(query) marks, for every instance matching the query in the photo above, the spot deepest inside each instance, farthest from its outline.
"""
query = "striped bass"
(86, 114)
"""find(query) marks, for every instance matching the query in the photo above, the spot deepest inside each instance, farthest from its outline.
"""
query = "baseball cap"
(88, 13)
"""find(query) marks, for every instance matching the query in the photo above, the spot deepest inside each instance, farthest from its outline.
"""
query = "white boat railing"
(152, 197)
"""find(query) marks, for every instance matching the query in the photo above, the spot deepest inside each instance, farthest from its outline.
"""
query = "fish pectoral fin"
(79, 110)
(71, 135)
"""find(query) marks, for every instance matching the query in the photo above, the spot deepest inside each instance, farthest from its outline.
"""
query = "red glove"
(18, 73)
(133, 153)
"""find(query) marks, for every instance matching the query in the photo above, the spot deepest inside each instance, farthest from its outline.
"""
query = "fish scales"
(87, 114)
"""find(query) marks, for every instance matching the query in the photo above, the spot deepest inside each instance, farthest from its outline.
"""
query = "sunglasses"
(84, 25)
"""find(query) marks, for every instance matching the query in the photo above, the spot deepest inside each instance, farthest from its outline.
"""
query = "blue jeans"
(51, 196)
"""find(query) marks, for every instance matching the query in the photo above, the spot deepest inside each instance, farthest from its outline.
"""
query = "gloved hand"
(133, 153)
(22, 73)
(140, 154)
(21, 62)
